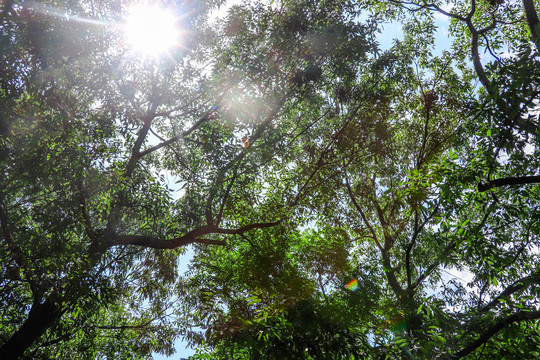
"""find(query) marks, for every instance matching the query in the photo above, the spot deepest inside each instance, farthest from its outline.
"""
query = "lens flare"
(352, 285)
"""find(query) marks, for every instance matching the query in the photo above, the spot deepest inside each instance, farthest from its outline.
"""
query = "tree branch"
(157, 243)
(246, 228)
(477, 63)
(511, 289)
(40, 318)
(428, 6)
(508, 181)
(191, 237)
(391, 276)
(135, 151)
(175, 138)
(494, 329)
(362, 214)
(433, 266)
(222, 206)
(532, 21)
(388, 243)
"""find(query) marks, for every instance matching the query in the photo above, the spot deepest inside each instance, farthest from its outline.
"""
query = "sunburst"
(151, 30)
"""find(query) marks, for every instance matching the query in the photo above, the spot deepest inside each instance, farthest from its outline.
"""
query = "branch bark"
(391, 276)
(511, 289)
(135, 151)
(477, 63)
(41, 317)
(494, 329)
(191, 237)
(532, 21)
(508, 181)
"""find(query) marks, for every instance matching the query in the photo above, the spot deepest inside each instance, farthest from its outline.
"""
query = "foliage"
(294, 155)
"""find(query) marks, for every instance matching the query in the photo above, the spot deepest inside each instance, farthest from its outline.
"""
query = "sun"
(151, 30)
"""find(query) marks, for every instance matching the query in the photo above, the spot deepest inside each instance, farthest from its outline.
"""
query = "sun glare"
(151, 30)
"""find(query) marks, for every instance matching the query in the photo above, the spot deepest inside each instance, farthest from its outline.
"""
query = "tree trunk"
(532, 21)
(40, 318)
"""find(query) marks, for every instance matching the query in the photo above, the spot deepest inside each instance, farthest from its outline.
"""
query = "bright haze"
(151, 30)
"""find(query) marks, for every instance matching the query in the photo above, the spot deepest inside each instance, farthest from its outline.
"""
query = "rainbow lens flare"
(352, 285)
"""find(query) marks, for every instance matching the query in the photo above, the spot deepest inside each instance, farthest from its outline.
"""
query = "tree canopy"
(344, 200)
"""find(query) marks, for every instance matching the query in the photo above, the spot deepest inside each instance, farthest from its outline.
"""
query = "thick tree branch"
(490, 27)
(157, 243)
(388, 240)
(513, 288)
(508, 181)
(40, 318)
(494, 329)
(477, 63)
(191, 237)
(249, 227)
(114, 214)
(135, 151)
(391, 275)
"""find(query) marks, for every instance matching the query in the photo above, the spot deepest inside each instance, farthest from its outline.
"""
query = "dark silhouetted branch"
(532, 21)
(40, 318)
(191, 237)
(511, 289)
(494, 329)
(508, 181)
